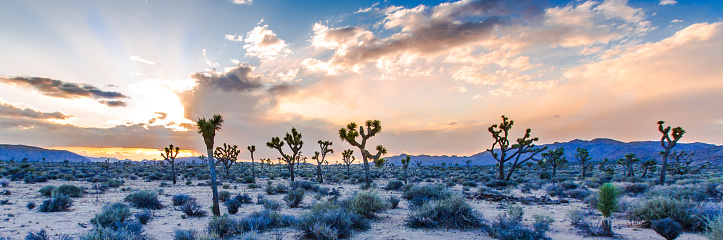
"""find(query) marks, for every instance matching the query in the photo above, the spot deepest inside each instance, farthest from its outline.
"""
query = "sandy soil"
(16, 220)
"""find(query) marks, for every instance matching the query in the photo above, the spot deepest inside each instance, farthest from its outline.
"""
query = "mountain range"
(599, 149)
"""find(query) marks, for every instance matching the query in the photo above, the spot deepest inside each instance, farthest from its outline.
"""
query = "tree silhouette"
(170, 156)
(252, 149)
(649, 165)
(682, 163)
(405, 164)
(667, 144)
(295, 143)
(348, 158)
(524, 146)
(583, 156)
(628, 162)
(207, 129)
(350, 134)
(319, 157)
(227, 155)
(554, 158)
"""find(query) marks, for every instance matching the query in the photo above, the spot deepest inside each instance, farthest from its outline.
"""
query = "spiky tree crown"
(170, 152)
(251, 148)
(227, 152)
(208, 128)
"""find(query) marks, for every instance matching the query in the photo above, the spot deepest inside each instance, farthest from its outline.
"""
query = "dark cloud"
(161, 116)
(113, 103)
(7, 110)
(60, 89)
(281, 89)
(239, 79)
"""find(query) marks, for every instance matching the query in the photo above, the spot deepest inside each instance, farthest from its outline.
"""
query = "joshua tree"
(203, 159)
(667, 144)
(348, 159)
(295, 143)
(628, 163)
(524, 146)
(252, 149)
(350, 133)
(607, 204)
(682, 163)
(554, 158)
(170, 156)
(324, 145)
(227, 155)
(649, 165)
(405, 164)
(207, 129)
(583, 157)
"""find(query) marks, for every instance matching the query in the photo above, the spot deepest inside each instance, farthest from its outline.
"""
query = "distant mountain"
(35, 154)
(599, 148)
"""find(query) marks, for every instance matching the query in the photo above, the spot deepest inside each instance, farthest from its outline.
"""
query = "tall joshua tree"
(350, 134)
(170, 156)
(667, 144)
(628, 162)
(252, 149)
(583, 156)
(554, 158)
(524, 146)
(405, 164)
(319, 157)
(227, 155)
(207, 129)
(295, 143)
(348, 158)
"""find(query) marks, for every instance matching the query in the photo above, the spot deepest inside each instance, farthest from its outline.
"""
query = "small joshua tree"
(207, 129)
(348, 158)
(405, 164)
(607, 204)
(682, 163)
(667, 144)
(295, 143)
(554, 158)
(649, 165)
(350, 134)
(169, 155)
(583, 157)
(252, 149)
(227, 155)
(628, 162)
(524, 146)
(319, 157)
(203, 159)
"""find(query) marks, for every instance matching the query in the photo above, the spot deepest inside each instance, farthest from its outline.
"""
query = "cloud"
(668, 2)
(143, 60)
(238, 79)
(241, 2)
(234, 37)
(8, 110)
(263, 43)
(676, 21)
(60, 89)
(161, 116)
(113, 103)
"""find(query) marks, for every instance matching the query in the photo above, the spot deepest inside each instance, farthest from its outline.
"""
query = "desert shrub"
(233, 205)
(264, 220)
(500, 183)
(306, 185)
(453, 212)
(393, 202)
(695, 193)
(192, 209)
(420, 194)
(294, 197)
(331, 222)
(128, 232)
(575, 216)
(667, 228)
(243, 198)
(367, 203)
(47, 191)
(112, 216)
(515, 212)
(270, 189)
(224, 196)
(714, 227)
(636, 188)
(180, 199)
(114, 183)
(394, 185)
(70, 190)
(662, 207)
(4, 183)
(43, 235)
(58, 202)
(221, 226)
(144, 199)
(30, 205)
(190, 234)
(272, 205)
(507, 228)
(469, 184)
(144, 216)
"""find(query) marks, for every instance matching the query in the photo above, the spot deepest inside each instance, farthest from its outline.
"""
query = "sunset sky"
(125, 78)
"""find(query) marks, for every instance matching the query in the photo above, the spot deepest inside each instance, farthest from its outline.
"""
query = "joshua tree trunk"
(367, 181)
(318, 172)
(405, 174)
(348, 170)
(173, 171)
(291, 171)
(214, 189)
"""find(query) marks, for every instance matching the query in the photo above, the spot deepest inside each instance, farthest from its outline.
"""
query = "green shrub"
(144, 199)
(272, 205)
(264, 220)
(47, 191)
(667, 228)
(58, 202)
(507, 228)
(331, 222)
(453, 212)
(575, 216)
(366, 203)
(663, 207)
(394, 185)
(393, 202)
(714, 228)
(224, 196)
(222, 226)
(70, 190)
(112, 216)
(43, 235)
(192, 209)
(294, 197)
(233, 205)
(144, 216)
(180, 199)
(420, 194)
(185, 234)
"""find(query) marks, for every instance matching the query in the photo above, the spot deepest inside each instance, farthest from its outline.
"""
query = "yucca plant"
(607, 203)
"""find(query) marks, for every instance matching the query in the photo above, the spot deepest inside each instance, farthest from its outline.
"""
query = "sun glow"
(136, 154)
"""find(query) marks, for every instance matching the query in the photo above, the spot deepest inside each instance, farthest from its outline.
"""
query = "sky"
(126, 78)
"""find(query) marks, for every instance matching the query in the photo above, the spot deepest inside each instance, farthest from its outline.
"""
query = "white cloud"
(242, 2)
(676, 21)
(263, 43)
(143, 60)
(668, 2)
(233, 37)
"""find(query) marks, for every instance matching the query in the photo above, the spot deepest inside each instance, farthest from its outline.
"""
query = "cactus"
(350, 134)
(169, 155)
